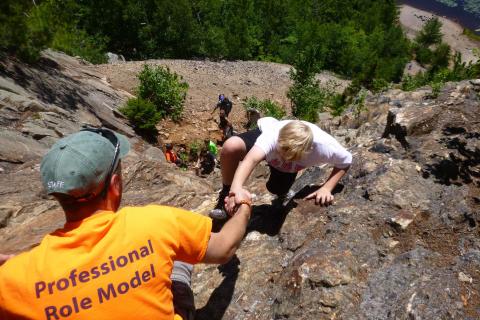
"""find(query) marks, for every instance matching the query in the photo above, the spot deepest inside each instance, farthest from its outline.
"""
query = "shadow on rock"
(269, 219)
(222, 295)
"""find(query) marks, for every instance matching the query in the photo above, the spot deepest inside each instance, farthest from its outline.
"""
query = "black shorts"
(183, 300)
(279, 182)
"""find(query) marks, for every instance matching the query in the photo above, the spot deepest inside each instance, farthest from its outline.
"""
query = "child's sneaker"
(217, 214)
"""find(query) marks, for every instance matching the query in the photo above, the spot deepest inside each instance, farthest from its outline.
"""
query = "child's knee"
(234, 146)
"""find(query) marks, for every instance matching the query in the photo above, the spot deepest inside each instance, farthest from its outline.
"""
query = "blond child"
(288, 146)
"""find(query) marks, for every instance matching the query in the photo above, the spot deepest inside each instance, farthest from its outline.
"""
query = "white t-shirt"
(325, 148)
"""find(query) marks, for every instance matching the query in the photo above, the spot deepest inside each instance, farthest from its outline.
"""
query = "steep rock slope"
(400, 242)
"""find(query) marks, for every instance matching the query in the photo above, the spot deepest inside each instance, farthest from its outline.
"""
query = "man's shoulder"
(150, 209)
(154, 211)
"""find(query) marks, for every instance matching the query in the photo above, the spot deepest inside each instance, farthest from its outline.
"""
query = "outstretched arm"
(222, 245)
(323, 196)
(244, 169)
(215, 108)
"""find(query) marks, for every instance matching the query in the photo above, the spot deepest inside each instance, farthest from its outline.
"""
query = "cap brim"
(124, 144)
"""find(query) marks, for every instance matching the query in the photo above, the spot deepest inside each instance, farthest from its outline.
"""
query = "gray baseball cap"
(78, 164)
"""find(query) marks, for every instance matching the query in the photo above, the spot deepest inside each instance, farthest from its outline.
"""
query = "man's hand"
(322, 197)
(234, 198)
(5, 257)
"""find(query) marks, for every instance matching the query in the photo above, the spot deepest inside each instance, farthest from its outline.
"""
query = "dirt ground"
(237, 80)
(413, 19)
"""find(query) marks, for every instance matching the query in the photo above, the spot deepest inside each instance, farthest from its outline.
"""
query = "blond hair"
(295, 140)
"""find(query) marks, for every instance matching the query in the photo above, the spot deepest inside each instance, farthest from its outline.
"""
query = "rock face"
(401, 241)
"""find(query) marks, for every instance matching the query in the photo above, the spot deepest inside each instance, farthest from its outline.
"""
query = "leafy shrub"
(430, 33)
(142, 114)
(423, 55)
(267, 107)
(194, 150)
(160, 94)
(379, 85)
(308, 99)
(436, 77)
(164, 89)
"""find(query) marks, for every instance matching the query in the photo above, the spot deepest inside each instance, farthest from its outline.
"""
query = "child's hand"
(322, 197)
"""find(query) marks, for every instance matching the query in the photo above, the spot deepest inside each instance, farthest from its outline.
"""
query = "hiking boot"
(219, 212)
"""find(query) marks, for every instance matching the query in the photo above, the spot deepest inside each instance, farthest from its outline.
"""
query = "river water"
(457, 14)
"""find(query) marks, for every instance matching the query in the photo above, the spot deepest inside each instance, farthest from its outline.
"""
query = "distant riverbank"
(412, 20)
(456, 14)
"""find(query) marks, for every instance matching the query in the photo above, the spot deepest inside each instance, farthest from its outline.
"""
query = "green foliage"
(379, 85)
(359, 39)
(358, 104)
(194, 149)
(436, 87)
(423, 55)
(267, 107)
(15, 34)
(79, 43)
(26, 29)
(308, 98)
(437, 77)
(470, 34)
(164, 89)
(160, 94)
(142, 114)
(430, 33)
(435, 55)
(440, 57)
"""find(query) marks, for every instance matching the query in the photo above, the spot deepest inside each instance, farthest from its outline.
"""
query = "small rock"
(464, 277)
(393, 243)
(475, 82)
(403, 219)
(7, 212)
(2, 170)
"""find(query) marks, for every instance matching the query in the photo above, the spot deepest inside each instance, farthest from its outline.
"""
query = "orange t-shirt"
(107, 266)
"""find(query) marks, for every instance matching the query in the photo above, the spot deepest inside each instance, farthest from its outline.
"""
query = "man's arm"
(222, 245)
(323, 196)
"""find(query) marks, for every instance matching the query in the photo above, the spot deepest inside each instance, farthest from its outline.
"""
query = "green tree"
(430, 33)
(143, 115)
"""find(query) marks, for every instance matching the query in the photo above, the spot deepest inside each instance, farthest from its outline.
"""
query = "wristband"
(247, 202)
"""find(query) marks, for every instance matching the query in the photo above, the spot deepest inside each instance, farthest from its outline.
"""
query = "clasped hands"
(235, 199)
